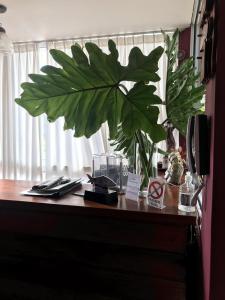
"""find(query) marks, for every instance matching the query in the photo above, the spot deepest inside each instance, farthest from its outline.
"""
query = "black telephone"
(197, 141)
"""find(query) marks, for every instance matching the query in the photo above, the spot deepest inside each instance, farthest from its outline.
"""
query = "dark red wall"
(184, 52)
(184, 44)
(213, 222)
(208, 196)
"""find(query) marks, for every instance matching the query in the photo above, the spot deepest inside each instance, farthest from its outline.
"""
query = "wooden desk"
(127, 251)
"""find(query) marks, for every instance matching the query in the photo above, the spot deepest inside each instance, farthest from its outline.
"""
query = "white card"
(133, 186)
(156, 191)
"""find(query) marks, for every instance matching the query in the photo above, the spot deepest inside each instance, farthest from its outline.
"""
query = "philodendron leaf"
(87, 91)
(183, 97)
(141, 67)
(128, 144)
(140, 112)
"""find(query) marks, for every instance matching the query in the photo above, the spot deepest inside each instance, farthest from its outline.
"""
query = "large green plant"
(183, 94)
(88, 90)
(182, 99)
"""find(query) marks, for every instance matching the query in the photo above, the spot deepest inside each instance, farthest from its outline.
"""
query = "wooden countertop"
(11, 199)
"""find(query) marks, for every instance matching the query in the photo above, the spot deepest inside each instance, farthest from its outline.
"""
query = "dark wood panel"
(149, 289)
(131, 286)
(87, 280)
(30, 251)
(75, 249)
(148, 235)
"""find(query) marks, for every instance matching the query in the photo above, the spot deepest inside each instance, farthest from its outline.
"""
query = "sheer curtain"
(32, 148)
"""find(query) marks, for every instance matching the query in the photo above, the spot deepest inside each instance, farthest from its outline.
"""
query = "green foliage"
(125, 144)
(128, 145)
(88, 91)
(183, 97)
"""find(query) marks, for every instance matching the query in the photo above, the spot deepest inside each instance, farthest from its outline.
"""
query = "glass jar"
(186, 192)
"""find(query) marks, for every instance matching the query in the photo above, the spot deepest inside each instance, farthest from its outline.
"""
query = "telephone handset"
(197, 143)
(190, 145)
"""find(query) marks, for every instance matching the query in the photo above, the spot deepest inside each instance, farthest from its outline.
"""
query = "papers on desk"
(54, 188)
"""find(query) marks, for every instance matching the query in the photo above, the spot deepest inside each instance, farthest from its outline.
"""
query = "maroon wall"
(184, 44)
(208, 196)
(184, 52)
(213, 222)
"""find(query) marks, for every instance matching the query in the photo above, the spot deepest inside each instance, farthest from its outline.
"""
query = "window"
(32, 148)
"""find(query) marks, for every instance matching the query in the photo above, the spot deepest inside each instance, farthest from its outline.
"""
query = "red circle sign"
(155, 189)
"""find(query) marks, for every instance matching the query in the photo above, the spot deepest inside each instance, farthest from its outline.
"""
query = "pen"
(53, 183)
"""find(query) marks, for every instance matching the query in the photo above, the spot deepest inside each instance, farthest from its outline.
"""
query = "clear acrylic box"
(114, 166)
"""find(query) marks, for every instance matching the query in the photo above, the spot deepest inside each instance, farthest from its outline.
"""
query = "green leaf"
(127, 145)
(183, 96)
(79, 56)
(86, 91)
(141, 67)
(140, 113)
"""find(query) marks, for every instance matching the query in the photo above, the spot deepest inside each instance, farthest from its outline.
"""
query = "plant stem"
(150, 159)
(143, 156)
(135, 155)
(142, 147)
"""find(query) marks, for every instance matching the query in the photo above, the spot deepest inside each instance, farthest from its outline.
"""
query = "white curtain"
(32, 148)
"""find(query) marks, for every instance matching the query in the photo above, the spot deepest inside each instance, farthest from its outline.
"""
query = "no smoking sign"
(156, 191)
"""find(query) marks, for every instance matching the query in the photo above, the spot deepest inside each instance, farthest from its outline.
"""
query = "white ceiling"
(53, 19)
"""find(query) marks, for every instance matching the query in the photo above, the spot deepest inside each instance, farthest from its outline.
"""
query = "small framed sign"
(156, 192)
(133, 186)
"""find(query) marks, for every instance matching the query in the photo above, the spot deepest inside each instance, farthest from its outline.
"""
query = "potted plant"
(182, 99)
(88, 90)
